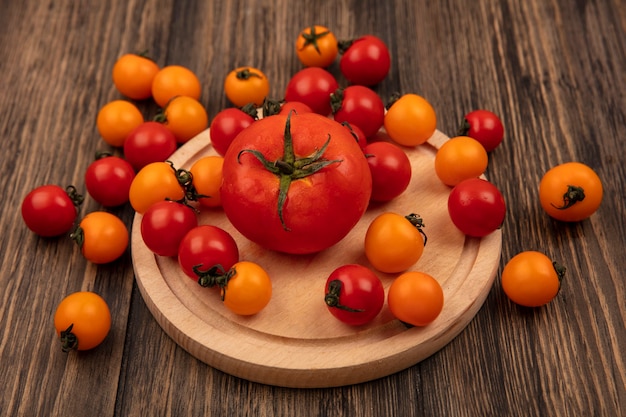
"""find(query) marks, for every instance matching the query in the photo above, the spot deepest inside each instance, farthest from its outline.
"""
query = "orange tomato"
(133, 75)
(101, 236)
(175, 80)
(246, 85)
(394, 242)
(207, 179)
(82, 321)
(316, 46)
(185, 117)
(410, 120)
(570, 192)
(460, 158)
(155, 182)
(415, 298)
(116, 120)
(248, 289)
(531, 279)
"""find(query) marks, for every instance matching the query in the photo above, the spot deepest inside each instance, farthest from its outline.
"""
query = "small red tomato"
(360, 106)
(206, 247)
(295, 106)
(484, 126)
(354, 294)
(50, 210)
(364, 61)
(165, 224)
(149, 142)
(227, 124)
(476, 207)
(357, 133)
(312, 86)
(391, 170)
(108, 180)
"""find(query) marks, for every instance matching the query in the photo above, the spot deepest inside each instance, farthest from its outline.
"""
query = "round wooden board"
(294, 341)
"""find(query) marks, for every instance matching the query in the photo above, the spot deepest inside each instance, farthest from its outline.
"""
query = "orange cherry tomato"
(175, 80)
(116, 120)
(394, 242)
(415, 298)
(82, 321)
(531, 279)
(410, 120)
(155, 182)
(248, 289)
(460, 158)
(101, 236)
(185, 117)
(246, 85)
(207, 179)
(133, 75)
(570, 192)
(316, 46)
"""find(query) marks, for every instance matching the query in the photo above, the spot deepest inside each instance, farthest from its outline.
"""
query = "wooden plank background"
(555, 71)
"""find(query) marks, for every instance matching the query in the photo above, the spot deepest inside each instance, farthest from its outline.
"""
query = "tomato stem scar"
(69, 341)
(417, 221)
(245, 74)
(573, 195)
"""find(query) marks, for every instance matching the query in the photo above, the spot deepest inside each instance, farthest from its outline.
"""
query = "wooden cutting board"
(294, 341)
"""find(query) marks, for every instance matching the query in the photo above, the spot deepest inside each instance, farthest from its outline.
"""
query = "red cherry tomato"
(312, 86)
(354, 294)
(165, 224)
(476, 207)
(149, 142)
(360, 106)
(108, 180)
(357, 133)
(206, 247)
(296, 106)
(50, 210)
(226, 125)
(484, 126)
(391, 170)
(364, 61)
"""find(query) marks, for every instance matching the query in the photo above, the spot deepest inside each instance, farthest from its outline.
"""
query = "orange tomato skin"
(154, 182)
(393, 243)
(530, 279)
(415, 298)
(411, 120)
(185, 117)
(246, 85)
(105, 237)
(89, 316)
(316, 46)
(133, 75)
(175, 80)
(115, 121)
(207, 179)
(555, 184)
(249, 290)
(460, 158)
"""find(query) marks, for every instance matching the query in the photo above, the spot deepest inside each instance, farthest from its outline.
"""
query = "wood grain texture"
(553, 70)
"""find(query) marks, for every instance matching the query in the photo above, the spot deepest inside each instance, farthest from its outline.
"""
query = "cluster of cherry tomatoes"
(169, 198)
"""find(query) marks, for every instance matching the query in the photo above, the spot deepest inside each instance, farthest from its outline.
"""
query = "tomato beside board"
(295, 184)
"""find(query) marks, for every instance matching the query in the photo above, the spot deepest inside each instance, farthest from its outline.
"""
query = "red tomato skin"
(48, 211)
(320, 209)
(108, 180)
(207, 246)
(225, 126)
(366, 61)
(486, 127)
(361, 107)
(296, 106)
(361, 289)
(165, 224)
(312, 86)
(391, 170)
(149, 142)
(476, 207)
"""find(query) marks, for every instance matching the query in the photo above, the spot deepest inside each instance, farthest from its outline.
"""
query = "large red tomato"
(296, 184)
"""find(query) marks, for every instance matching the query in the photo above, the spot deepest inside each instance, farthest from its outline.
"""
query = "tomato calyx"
(185, 179)
(395, 96)
(560, 271)
(352, 132)
(573, 195)
(215, 276)
(336, 100)
(69, 341)
(246, 74)
(464, 128)
(344, 45)
(250, 110)
(312, 37)
(271, 107)
(290, 167)
(332, 297)
(418, 222)
(76, 198)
